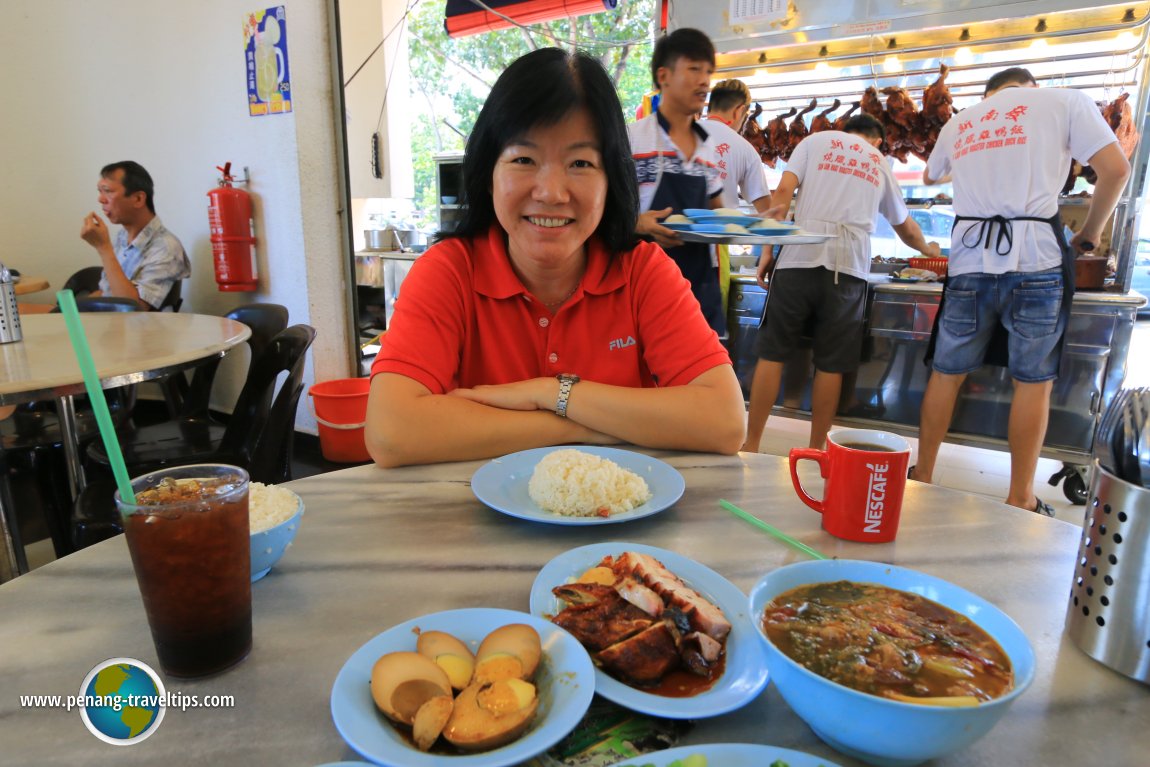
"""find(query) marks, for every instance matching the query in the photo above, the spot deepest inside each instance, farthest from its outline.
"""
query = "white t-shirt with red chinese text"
(1009, 156)
(739, 165)
(843, 183)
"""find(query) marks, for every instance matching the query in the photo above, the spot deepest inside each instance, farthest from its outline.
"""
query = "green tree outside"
(451, 78)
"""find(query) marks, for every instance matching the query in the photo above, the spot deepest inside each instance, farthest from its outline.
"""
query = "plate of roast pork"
(669, 636)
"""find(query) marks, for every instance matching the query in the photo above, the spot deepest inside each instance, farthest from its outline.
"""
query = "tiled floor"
(976, 470)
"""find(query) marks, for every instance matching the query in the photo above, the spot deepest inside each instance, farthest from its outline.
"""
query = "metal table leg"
(12, 559)
(66, 411)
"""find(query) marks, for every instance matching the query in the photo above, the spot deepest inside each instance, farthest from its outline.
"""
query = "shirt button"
(544, 322)
(553, 357)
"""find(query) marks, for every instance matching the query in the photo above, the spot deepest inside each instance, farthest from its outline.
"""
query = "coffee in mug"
(865, 473)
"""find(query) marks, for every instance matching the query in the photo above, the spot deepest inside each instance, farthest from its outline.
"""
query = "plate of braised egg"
(477, 687)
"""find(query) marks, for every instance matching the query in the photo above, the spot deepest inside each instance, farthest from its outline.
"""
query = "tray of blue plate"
(774, 231)
(740, 220)
(797, 237)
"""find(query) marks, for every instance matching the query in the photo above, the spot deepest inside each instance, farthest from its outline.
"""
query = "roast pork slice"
(639, 595)
(644, 658)
(601, 622)
(699, 653)
(703, 615)
(583, 593)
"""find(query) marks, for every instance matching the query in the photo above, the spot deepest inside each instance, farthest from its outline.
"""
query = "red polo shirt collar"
(495, 278)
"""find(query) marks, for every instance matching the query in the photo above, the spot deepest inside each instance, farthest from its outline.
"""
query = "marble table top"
(127, 347)
(378, 547)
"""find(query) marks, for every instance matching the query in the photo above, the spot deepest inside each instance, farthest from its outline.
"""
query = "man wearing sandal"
(1011, 268)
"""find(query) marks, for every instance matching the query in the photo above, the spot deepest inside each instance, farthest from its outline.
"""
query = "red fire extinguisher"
(232, 235)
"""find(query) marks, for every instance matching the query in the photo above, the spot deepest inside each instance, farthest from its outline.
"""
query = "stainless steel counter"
(888, 387)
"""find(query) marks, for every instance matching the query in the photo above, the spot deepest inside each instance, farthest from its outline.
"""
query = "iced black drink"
(189, 541)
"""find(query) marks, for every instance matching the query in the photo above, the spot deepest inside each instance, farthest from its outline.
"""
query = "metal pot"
(391, 239)
(378, 239)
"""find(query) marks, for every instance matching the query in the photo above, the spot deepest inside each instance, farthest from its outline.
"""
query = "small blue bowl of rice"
(275, 515)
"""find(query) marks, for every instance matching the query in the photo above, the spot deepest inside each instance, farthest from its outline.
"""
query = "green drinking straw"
(79, 340)
(792, 542)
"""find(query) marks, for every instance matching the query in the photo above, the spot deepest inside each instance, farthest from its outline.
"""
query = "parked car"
(935, 222)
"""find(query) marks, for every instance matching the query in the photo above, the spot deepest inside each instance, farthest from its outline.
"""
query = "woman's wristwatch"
(566, 382)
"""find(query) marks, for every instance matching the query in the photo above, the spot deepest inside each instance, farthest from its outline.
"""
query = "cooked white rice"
(577, 484)
(269, 505)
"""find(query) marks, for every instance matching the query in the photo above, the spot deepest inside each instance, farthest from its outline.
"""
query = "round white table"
(127, 348)
(379, 547)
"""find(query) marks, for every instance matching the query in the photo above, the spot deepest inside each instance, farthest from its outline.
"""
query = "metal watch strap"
(566, 381)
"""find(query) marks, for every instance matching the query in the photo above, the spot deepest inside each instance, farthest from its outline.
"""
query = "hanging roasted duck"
(778, 140)
(937, 103)
(841, 122)
(753, 133)
(900, 118)
(798, 130)
(1120, 118)
(821, 121)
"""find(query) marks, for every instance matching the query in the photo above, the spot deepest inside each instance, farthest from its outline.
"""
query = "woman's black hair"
(540, 89)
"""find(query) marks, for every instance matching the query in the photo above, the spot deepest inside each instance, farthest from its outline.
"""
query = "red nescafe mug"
(865, 473)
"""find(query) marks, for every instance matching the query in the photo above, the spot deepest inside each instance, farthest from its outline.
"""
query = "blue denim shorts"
(1027, 304)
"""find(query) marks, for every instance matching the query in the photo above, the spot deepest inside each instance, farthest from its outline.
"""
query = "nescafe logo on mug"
(876, 493)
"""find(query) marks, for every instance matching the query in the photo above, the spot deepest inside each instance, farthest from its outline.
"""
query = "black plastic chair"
(191, 400)
(172, 301)
(103, 304)
(258, 437)
(85, 281)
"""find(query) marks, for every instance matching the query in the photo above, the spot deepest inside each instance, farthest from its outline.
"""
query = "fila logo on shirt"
(621, 343)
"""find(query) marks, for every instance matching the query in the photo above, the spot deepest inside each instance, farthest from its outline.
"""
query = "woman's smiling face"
(549, 190)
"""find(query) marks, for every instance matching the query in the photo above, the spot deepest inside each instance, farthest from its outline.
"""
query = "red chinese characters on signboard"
(995, 135)
(865, 166)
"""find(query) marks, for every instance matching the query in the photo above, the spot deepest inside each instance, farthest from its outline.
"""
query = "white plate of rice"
(579, 489)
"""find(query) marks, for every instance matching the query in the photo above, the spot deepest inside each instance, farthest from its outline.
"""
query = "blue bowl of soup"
(824, 626)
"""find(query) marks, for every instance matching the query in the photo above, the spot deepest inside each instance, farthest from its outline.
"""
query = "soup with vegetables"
(888, 643)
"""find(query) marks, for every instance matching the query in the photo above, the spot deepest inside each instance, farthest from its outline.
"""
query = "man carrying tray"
(675, 161)
(843, 181)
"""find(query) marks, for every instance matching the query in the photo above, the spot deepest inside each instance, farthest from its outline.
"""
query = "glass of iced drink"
(188, 536)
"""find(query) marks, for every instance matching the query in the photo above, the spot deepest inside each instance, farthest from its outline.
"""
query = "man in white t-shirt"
(843, 182)
(1009, 262)
(740, 167)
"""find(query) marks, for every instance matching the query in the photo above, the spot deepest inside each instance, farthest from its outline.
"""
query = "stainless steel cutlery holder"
(1109, 612)
(9, 312)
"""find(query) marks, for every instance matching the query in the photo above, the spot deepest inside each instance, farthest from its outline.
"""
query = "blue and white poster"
(266, 57)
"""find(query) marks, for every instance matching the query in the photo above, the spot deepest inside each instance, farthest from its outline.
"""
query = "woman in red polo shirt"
(540, 320)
